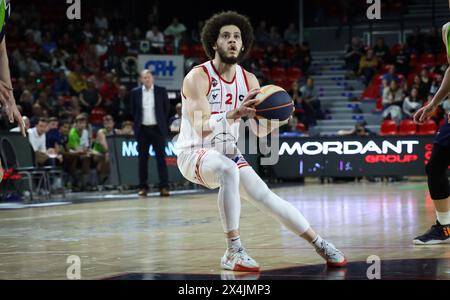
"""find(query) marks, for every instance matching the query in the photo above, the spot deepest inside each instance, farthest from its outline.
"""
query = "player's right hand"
(5, 91)
(247, 108)
(424, 114)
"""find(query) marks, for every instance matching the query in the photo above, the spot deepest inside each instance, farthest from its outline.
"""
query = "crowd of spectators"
(402, 77)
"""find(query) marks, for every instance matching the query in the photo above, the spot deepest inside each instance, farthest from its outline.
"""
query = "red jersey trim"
(220, 77)
(245, 79)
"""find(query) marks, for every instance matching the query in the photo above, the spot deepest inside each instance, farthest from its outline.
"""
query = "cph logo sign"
(161, 67)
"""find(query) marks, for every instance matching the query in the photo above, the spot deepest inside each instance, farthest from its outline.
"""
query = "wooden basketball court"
(181, 236)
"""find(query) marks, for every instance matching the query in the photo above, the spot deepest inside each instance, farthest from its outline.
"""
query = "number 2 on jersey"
(229, 99)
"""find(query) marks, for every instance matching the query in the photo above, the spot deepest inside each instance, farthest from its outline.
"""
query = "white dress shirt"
(148, 106)
(37, 141)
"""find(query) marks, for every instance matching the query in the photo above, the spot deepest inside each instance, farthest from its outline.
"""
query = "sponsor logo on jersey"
(214, 82)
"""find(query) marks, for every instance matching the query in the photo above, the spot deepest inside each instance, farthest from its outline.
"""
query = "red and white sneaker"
(238, 260)
(333, 256)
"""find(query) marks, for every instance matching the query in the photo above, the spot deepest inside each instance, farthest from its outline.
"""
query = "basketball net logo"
(374, 10)
(74, 10)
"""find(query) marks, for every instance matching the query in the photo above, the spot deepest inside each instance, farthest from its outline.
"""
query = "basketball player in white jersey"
(215, 96)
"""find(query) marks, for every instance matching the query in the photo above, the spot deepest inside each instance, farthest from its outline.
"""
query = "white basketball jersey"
(222, 96)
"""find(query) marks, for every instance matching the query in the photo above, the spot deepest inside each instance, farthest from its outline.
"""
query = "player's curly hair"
(212, 27)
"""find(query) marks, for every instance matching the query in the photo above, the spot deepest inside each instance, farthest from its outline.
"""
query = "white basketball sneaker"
(238, 260)
(333, 256)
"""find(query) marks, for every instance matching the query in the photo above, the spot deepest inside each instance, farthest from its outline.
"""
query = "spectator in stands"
(26, 121)
(446, 106)
(353, 54)
(425, 83)
(78, 146)
(436, 84)
(299, 111)
(175, 121)
(307, 58)
(291, 34)
(61, 85)
(101, 48)
(37, 138)
(100, 149)
(30, 64)
(381, 50)
(43, 101)
(100, 21)
(401, 60)
(36, 113)
(127, 128)
(109, 89)
(368, 66)
(53, 135)
(48, 44)
(156, 39)
(433, 41)
(391, 75)
(311, 101)
(90, 97)
(58, 59)
(274, 37)
(196, 32)
(77, 80)
(270, 58)
(261, 34)
(359, 130)
(392, 101)
(416, 42)
(26, 100)
(176, 30)
(411, 103)
(121, 106)
(87, 31)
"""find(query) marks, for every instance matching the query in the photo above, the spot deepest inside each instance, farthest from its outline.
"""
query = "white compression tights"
(218, 170)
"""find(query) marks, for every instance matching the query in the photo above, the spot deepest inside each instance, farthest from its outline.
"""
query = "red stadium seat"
(395, 49)
(427, 59)
(413, 60)
(290, 52)
(257, 53)
(410, 79)
(184, 50)
(294, 73)
(281, 82)
(388, 127)
(278, 73)
(300, 127)
(407, 127)
(197, 51)
(266, 71)
(97, 114)
(428, 128)
(441, 58)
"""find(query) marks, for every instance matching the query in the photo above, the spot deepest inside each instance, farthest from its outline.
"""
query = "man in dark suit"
(150, 109)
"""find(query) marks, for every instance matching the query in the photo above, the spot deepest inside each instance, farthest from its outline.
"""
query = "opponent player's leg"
(439, 188)
(255, 190)
(213, 169)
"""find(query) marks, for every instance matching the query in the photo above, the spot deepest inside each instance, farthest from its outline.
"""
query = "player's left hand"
(17, 116)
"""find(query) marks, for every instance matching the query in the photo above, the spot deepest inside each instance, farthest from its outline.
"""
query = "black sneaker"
(437, 234)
